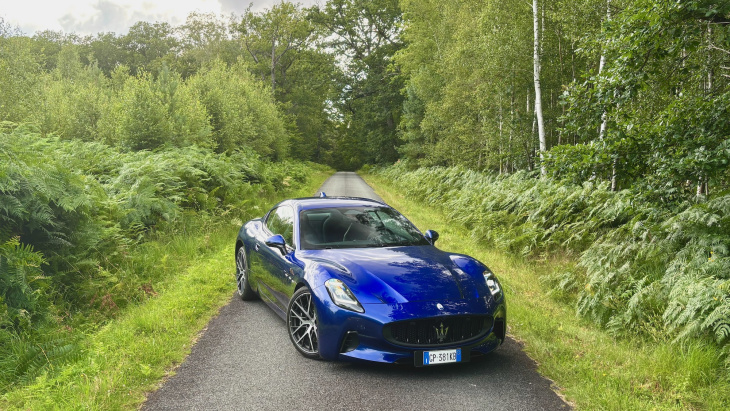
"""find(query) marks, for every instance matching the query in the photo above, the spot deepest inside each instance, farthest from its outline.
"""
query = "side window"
(281, 221)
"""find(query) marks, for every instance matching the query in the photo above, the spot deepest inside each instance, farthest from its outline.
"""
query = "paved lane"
(245, 361)
(347, 183)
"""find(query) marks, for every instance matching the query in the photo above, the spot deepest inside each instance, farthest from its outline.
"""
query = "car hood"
(394, 274)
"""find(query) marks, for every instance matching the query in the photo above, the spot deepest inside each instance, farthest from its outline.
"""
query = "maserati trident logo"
(441, 333)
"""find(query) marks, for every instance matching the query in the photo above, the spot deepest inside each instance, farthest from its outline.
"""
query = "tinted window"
(281, 221)
(356, 227)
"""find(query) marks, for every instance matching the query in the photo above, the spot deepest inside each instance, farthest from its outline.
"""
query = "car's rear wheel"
(242, 279)
(301, 320)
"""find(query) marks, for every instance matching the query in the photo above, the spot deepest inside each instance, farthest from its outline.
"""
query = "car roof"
(308, 203)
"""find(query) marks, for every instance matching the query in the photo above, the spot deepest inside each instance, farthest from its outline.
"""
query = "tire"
(242, 273)
(301, 322)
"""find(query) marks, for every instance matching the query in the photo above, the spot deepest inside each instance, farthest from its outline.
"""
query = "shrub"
(242, 113)
(69, 212)
(161, 111)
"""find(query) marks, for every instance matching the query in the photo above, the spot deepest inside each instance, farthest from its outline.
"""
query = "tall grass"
(642, 268)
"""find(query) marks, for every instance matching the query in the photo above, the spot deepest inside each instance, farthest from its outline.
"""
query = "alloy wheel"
(241, 271)
(302, 321)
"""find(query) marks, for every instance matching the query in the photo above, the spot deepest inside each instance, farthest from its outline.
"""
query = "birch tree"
(604, 116)
(601, 64)
(538, 92)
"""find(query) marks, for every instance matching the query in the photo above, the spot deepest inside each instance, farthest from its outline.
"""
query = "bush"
(161, 111)
(80, 204)
(242, 113)
(71, 210)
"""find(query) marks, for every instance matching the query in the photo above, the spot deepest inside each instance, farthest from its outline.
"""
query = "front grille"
(438, 331)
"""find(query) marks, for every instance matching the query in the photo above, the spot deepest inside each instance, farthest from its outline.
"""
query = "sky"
(94, 16)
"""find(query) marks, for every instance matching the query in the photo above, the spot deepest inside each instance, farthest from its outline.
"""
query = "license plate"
(441, 357)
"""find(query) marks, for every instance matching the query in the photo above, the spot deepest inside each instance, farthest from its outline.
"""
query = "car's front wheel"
(301, 320)
(242, 272)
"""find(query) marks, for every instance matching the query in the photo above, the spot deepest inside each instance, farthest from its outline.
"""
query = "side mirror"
(431, 236)
(277, 241)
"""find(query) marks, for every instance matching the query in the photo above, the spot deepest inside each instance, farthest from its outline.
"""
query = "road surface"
(245, 361)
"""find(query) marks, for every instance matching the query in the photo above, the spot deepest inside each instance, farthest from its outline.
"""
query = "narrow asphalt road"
(245, 361)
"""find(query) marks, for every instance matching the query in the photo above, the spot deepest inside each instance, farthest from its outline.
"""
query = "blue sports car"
(355, 280)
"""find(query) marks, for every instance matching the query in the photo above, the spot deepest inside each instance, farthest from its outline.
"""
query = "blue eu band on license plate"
(441, 357)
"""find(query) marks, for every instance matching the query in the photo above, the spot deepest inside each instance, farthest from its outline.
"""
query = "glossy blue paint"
(394, 274)
(391, 283)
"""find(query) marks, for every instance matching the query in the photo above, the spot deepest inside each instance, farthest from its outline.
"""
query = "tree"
(242, 113)
(538, 91)
(161, 112)
(204, 38)
(20, 75)
(107, 51)
(274, 38)
(150, 46)
(364, 36)
(306, 96)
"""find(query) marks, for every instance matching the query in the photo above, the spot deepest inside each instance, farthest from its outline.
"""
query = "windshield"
(356, 227)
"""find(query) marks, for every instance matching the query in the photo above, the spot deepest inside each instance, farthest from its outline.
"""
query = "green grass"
(590, 368)
(131, 354)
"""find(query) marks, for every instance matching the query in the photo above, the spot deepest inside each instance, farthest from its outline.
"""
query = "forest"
(596, 130)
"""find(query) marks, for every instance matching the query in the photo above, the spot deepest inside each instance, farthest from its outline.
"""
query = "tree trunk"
(511, 128)
(538, 93)
(699, 187)
(273, 67)
(501, 154)
(601, 64)
(710, 73)
(604, 116)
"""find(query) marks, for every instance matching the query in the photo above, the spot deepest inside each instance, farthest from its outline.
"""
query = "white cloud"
(93, 16)
(239, 6)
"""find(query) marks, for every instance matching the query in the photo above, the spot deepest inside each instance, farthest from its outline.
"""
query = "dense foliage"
(71, 211)
(109, 141)
(633, 92)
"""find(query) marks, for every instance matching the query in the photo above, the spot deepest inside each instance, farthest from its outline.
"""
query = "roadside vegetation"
(160, 293)
(121, 189)
(91, 234)
(641, 367)
(585, 139)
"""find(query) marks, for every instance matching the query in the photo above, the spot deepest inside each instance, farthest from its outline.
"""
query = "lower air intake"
(438, 331)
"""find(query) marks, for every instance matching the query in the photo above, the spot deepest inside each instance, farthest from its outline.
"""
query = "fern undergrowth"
(75, 223)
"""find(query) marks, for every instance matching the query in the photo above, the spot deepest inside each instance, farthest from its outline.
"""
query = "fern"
(26, 358)
(19, 275)
(718, 320)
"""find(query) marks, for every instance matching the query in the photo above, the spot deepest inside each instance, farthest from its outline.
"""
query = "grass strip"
(130, 354)
(590, 368)
(133, 353)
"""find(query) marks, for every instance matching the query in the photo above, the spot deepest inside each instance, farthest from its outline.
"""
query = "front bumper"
(349, 336)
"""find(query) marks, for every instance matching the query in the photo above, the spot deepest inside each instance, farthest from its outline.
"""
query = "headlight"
(493, 284)
(342, 296)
